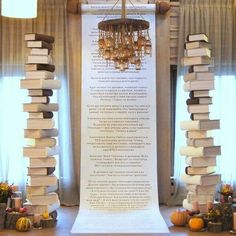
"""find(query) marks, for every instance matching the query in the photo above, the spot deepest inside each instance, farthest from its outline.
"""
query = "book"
(200, 51)
(39, 133)
(37, 67)
(200, 116)
(199, 85)
(42, 180)
(39, 74)
(40, 107)
(201, 76)
(200, 124)
(200, 161)
(40, 123)
(197, 37)
(203, 180)
(196, 134)
(40, 84)
(42, 37)
(198, 108)
(199, 60)
(198, 93)
(189, 206)
(44, 100)
(39, 44)
(39, 152)
(200, 68)
(40, 190)
(200, 151)
(41, 208)
(200, 198)
(200, 142)
(41, 115)
(41, 171)
(47, 199)
(200, 101)
(41, 142)
(42, 162)
(39, 51)
(198, 189)
(203, 170)
(40, 92)
(41, 59)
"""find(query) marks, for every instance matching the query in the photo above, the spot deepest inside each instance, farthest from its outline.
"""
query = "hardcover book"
(42, 37)
(200, 161)
(200, 151)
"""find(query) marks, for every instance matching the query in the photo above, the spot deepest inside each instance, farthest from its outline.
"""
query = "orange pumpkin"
(179, 218)
(196, 224)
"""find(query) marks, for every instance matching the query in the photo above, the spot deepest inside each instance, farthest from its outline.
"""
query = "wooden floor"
(67, 215)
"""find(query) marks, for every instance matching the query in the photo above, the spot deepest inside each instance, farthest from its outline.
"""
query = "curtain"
(216, 19)
(52, 20)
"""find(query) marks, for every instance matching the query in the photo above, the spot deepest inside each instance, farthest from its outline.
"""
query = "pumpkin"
(196, 224)
(179, 218)
(23, 224)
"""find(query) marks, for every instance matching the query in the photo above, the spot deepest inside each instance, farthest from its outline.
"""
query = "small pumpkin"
(23, 224)
(179, 218)
(196, 224)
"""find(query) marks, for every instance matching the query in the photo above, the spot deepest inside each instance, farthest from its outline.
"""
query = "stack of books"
(40, 132)
(200, 176)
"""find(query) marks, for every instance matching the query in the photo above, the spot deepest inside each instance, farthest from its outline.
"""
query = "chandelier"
(124, 41)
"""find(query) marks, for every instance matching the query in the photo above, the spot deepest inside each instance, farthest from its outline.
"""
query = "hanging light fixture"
(19, 8)
(124, 41)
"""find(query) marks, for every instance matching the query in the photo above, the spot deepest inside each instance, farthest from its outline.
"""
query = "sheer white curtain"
(12, 121)
(216, 19)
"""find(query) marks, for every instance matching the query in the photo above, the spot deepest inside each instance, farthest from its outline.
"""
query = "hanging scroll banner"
(118, 192)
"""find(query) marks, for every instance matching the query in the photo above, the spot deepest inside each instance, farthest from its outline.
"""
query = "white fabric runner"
(118, 144)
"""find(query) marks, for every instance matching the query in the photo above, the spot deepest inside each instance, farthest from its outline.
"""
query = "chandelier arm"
(106, 14)
(136, 9)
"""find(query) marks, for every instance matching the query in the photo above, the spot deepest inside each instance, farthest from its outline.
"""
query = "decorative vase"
(3, 207)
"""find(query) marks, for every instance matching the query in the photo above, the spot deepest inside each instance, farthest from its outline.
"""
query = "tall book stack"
(40, 132)
(200, 176)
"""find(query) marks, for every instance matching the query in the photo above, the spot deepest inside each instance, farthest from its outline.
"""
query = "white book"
(39, 74)
(198, 76)
(40, 190)
(197, 37)
(40, 123)
(39, 107)
(41, 208)
(42, 162)
(40, 133)
(39, 152)
(200, 198)
(197, 52)
(40, 100)
(191, 125)
(195, 133)
(39, 51)
(39, 59)
(42, 180)
(198, 189)
(197, 108)
(200, 142)
(47, 199)
(203, 180)
(40, 84)
(200, 161)
(200, 151)
(199, 85)
(41, 142)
